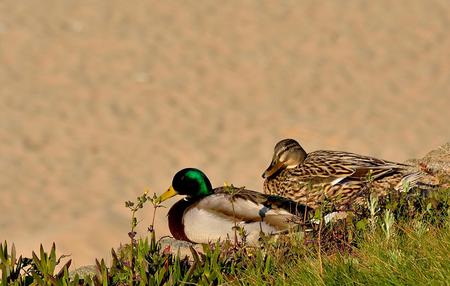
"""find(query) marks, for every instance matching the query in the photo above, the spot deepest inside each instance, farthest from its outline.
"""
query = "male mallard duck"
(208, 214)
(342, 178)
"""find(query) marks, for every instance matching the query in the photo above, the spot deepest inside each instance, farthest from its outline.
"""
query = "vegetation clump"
(400, 242)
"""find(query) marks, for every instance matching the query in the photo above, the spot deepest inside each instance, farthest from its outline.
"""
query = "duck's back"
(336, 176)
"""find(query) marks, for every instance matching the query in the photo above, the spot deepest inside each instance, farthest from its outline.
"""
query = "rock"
(169, 244)
(436, 163)
(83, 271)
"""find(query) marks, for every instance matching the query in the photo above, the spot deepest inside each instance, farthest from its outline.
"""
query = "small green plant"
(12, 267)
(373, 210)
(388, 224)
(38, 270)
(240, 235)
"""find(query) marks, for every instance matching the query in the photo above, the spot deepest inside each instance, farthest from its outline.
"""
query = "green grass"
(407, 245)
(412, 257)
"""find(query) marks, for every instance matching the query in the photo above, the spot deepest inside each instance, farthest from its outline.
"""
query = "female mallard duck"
(341, 178)
(208, 214)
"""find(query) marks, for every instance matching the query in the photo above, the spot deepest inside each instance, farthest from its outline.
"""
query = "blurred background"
(100, 100)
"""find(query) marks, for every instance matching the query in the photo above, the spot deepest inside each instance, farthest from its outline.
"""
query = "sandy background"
(101, 99)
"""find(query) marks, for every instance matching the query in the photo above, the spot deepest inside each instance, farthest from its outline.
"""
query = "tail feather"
(417, 180)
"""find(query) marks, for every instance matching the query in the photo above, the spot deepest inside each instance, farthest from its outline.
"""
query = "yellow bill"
(167, 194)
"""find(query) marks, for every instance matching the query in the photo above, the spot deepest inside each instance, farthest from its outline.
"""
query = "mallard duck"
(343, 179)
(208, 214)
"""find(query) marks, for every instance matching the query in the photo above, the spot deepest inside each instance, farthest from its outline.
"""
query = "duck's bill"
(167, 194)
(272, 169)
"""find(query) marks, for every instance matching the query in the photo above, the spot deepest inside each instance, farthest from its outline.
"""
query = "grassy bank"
(394, 247)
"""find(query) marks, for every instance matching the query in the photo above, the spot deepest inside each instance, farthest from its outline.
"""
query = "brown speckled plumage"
(343, 179)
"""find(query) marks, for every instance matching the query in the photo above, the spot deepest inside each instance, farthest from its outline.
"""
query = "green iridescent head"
(190, 182)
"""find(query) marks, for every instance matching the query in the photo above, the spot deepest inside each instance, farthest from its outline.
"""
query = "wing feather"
(249, 206)
(333, 167)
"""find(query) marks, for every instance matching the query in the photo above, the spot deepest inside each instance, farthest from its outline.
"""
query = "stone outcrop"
(436, 163)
